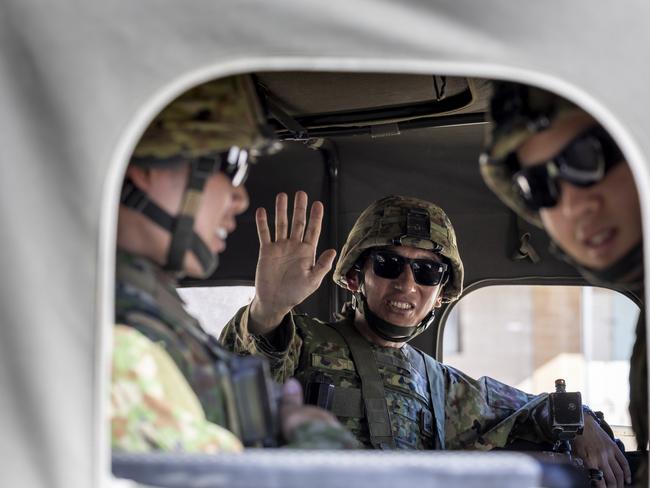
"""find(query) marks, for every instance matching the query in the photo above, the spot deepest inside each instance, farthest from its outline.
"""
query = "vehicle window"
(528, 336)
(214, 306)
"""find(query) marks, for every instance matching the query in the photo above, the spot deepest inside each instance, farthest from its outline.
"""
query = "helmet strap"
(384, 329)
(182, 232)
(181, 227)
(626, 273)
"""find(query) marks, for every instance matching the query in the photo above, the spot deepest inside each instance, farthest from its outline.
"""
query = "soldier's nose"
(576, 202)
(240, 199)
(405, 281)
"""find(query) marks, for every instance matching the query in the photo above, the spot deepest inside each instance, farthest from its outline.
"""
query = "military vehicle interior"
(351, 138)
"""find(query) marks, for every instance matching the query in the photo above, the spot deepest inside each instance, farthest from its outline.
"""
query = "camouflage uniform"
(168, 391)
(463, 414)
(426, 404)
(153, 406)
(171, 386)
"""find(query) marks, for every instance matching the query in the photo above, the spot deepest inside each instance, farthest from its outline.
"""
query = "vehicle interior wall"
(439, 164)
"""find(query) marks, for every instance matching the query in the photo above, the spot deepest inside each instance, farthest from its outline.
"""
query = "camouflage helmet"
(406, 221)
(517, 112)
(205, 121)
(213, 128)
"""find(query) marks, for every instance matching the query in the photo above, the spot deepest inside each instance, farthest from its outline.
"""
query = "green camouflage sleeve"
(283, 359)
(485, 413)
(152, 405)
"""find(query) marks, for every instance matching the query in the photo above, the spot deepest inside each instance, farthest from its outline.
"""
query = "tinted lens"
(426, 272)
(387, 265)
(235, 165)
(537, 187)
(582, 162)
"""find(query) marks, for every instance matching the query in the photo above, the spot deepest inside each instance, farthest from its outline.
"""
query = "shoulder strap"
(436, 380)
(372, 387)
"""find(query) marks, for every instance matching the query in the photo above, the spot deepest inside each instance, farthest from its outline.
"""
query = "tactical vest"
(388, 398)
(146, 299)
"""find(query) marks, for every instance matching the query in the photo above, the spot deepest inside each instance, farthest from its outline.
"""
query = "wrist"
(264, 319)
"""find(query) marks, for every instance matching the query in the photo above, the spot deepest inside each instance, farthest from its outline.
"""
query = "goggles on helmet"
(390, 265)
(234, 164)
(583, 162)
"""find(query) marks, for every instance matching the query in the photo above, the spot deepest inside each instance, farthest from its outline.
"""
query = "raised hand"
(287, 269)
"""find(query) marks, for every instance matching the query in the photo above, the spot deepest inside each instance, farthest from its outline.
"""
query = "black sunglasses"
(583, 162)
(390, 265)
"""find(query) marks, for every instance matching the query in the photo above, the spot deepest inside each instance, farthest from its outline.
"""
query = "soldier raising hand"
(400, 263)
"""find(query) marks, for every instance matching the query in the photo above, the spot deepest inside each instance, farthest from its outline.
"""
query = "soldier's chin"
(400, 319)
(193, 268)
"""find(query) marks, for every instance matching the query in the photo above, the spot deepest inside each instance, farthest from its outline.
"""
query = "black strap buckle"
(132, 197)
(426, 423)
(205, 167)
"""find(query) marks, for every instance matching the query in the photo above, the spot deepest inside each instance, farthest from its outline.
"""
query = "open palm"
(287, 268)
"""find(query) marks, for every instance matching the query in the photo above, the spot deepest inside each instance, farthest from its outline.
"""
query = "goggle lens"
(235, 165)
(583, 162)
(390, 265)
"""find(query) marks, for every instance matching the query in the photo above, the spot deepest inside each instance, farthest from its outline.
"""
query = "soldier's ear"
(352, 279)
(438, 302)
(140, 176)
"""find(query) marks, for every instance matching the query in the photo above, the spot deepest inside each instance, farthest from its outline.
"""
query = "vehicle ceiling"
(439, 164)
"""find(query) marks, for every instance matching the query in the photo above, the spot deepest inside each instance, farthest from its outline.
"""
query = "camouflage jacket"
(148, 305)
(152, 405)
(463, 413)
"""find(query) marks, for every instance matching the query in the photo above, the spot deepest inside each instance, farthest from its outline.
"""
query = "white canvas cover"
(80, 80)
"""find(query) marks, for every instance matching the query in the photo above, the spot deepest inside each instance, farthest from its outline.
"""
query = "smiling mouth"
(400, 307)
(221, 233)
(600, 238)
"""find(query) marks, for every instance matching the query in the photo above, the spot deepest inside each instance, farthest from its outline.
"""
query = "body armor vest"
(392, 408)
(146, 299)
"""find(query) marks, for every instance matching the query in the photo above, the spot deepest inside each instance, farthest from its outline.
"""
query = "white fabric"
(80, 79)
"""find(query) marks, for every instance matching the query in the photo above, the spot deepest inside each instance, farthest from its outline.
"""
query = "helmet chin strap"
(627, 272)
(384, 329)
(181, 227)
